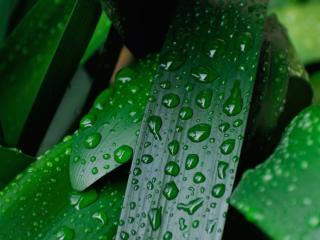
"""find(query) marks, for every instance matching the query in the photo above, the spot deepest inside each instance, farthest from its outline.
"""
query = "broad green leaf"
(281, 196)
(99, 36)
(12, 162)
(107, 138)
(37, 61)
(6, 8)
(302, 19)
(191, 135)
(41, 204)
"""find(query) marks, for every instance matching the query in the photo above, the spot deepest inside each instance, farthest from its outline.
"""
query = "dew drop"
(185, 113)
(227, 146)
(173, 147)
(233, 105)
(204, 74)
(92, 140)
(192, 161)
(170, 190)
(203, 98)
(123, 154)
(155, 124)
(199, 132)
(170, 100)
(192, 206)
(154, 217)
(218, 190)
(172, 168)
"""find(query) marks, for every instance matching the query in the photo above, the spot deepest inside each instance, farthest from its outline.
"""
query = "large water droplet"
(192, 206)
(185, 113)
(170, 100)
(87, 121)
(173, 147)
(218, 190)
(199, 178)
(125, 75)
(92, 140)
(146, 158)
(123, 154)
(204, 74)
(222, 169)
(227, 146)
(214, 47)
(223, 127)
(192, 161)
(172, 60)
(170, 190)
(167, 235)
(172, 168)
(199, 132)
(233, 105)
(155, 124)
(154, 217)
(101, 217)
(203, 98)
(65, 233)
(81, 200)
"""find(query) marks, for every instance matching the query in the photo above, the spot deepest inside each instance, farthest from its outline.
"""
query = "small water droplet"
(172, 168)
(185, 113)
(92, 140)
(154, 217)
(227, 146)
(203, 98)
(170, 190)
(173, 147)
(155, 124)
(123, 154)
(199, 178)
(199, 132)
(170, 100)
(204, 74)
(81, 200)
(222, 169)
(146, 158)
(233, 105)
(65, 233)
(218, 190)
(192, 161)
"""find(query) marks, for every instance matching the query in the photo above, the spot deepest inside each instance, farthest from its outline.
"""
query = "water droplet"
(173, 147)
(214, 47)
(170, 100)
(199, 178)
(165, 85)
(87, 121)
(124, 235)
(192, 206)
(218, 190)
(172, 60)
(65, 233)
(233, 105)
(146, 158)
(227, 146)
(123, 154)
(237, 123)
(172, 168)
(185, 113)
(94, 170)
(81, 200)
(155, 124)
(167, 235)
(182, 224)
(125, 75)
(101, 217)
(92, 140)
(204, 74)
(203, 98)
(199, 132)
(192, 161)
(245, 41)
(154, 217)
(223, 127)
(170, 190)
(222, 169)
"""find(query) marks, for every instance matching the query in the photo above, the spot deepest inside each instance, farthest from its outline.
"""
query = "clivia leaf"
(41, 204)
(285, 189)
(37, 61)
(106, 139)
(99, 36)
(12, 162)
(6, 8)
(191, 135)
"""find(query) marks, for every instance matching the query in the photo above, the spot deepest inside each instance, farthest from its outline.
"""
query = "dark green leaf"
(41, 204)
(6, 8)
(210, 61)
(107, 138)
(285, 188)
(12, 162)
(38, 59)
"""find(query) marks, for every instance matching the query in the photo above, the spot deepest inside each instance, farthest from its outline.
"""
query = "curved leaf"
(12, 162)
(43, 204)
(36, 63)
(285, 188)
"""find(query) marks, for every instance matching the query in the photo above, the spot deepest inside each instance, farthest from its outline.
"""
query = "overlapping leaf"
(40, 56)
(188, 150)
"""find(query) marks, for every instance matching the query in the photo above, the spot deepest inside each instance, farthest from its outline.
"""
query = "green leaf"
(315, 82)
(6, 8)
(302, 20)
(38, 59)
(12, 162)
(42, 203)
(284, 189)
(190, 141)
(99, 36)
(107, 138)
